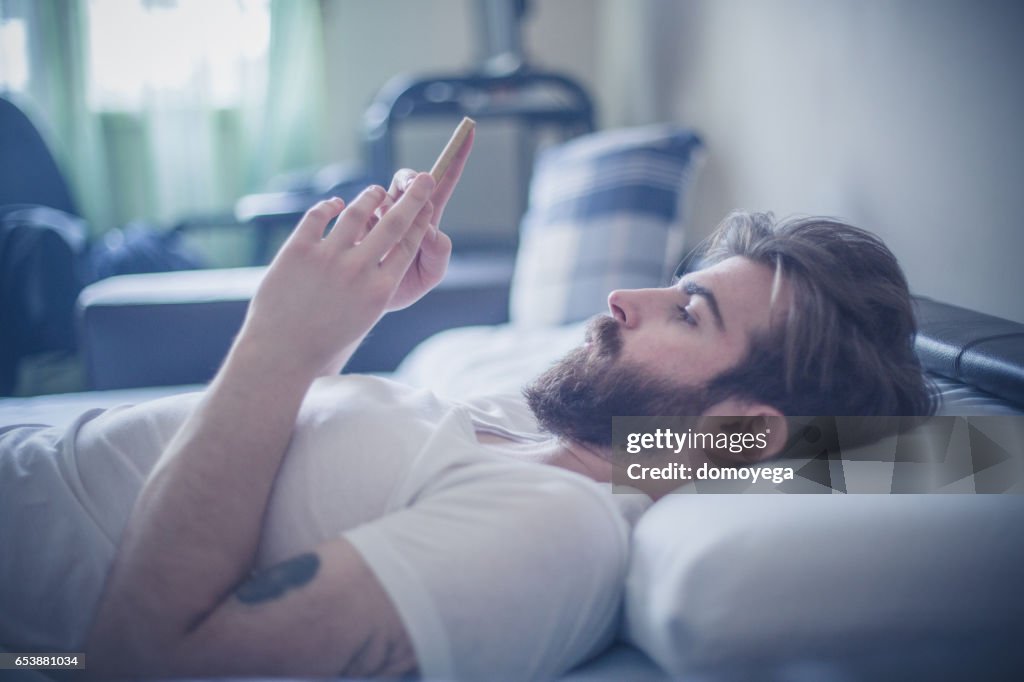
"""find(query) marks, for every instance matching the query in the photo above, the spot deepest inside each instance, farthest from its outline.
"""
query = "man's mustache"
(604, 334)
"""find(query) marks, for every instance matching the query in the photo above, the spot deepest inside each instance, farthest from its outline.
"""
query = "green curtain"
(56, 99)
(174, 159)
(292, 128)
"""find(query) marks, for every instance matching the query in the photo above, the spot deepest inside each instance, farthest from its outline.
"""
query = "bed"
(865, 586)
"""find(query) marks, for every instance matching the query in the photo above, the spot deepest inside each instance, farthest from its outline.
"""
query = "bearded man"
(290, 521)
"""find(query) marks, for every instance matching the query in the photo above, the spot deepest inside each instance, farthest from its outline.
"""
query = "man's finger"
(393, 226)
(400, 257)
(400, 181)
(314, 222)
(353, 221)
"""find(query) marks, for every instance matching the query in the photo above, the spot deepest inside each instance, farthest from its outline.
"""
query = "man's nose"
(623, 306)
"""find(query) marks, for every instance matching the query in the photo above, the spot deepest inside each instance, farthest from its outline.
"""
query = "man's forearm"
(196, 526)
(346, 354)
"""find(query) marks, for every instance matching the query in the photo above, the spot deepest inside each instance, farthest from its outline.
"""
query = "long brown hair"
(846, 346)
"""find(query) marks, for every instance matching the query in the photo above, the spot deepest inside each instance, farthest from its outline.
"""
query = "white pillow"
(459, 364)
(721, 579)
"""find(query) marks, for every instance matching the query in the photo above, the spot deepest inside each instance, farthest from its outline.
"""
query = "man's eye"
(686, 317)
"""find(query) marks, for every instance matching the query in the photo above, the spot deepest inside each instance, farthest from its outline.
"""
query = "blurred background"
(901, 116)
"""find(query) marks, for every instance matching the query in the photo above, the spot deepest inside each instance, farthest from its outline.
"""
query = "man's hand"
(431, 262)
(321, 294)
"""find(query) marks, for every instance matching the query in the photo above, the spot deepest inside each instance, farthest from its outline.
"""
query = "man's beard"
(577, 398)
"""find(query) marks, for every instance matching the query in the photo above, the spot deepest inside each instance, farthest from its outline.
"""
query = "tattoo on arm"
(276, 580)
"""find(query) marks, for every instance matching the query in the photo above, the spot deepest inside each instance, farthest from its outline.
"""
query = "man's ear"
(766, 424)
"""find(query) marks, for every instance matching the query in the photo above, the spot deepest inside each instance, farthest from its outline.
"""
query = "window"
(13, 54)
(140, 50)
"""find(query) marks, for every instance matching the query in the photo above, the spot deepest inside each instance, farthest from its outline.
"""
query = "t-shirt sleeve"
(513, 576)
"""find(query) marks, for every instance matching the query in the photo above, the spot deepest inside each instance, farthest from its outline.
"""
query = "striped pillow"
(605, 213)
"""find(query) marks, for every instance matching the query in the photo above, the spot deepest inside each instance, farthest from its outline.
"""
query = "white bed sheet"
(471, 361)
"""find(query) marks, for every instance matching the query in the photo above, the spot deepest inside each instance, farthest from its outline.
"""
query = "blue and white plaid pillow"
(605, 213)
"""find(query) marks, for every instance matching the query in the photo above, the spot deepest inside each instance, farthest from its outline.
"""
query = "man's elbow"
(113, 660)
(214, 652)
(132, 650)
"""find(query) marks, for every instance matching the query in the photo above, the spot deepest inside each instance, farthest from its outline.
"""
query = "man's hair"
(846, 345)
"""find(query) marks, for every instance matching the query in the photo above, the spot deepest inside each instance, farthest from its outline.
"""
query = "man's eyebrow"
(694, 289)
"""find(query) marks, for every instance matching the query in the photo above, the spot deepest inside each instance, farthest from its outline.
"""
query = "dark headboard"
(980, 350)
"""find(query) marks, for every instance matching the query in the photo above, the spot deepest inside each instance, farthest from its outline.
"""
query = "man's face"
(694, 330)
(656, 351)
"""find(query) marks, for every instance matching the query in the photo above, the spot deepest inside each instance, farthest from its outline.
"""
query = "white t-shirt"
(497, 566)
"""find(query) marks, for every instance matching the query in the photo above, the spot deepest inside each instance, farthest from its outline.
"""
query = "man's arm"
(168, 607)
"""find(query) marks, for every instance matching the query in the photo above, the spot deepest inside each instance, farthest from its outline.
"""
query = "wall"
(903, 117)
